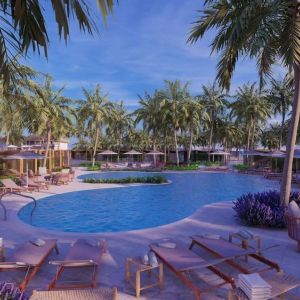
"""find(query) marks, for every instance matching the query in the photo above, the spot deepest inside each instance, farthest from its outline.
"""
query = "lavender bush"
(262, 209)
(8, 291)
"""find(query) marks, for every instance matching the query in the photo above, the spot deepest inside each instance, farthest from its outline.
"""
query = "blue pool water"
(137, 207)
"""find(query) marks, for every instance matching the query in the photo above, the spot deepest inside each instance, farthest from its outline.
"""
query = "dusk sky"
(143, 44)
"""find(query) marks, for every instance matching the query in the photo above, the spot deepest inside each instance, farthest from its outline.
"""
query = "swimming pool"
(137, 207)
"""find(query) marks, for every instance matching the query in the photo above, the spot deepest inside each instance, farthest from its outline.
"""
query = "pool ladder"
(21, 195)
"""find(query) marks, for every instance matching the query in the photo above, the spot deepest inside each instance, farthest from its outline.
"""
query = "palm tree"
(280, 96)
(173, 96)
(49, 112)
(215, 103)
(193, 116)
(23, 26)
(150, 113)
(119, 124)
(267, 31)
(93, 113)
(250, 108)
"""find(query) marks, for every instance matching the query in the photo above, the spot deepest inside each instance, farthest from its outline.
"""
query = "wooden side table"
(135, 265)
(245, 243)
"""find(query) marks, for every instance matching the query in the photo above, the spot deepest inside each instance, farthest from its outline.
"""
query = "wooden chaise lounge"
(10, 186)
(280, 282)
(182, 261)
(224, 249)
(82, 255)
(29, 257)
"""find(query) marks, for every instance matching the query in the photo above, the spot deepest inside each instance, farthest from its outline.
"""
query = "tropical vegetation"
(262, 209)
(146, 179)
(266, 31)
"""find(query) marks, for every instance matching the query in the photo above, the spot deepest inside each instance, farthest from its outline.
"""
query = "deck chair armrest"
(73, 263)
(13, 265)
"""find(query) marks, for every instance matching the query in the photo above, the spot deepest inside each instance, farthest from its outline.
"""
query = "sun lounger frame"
(182, 276)
(230, 259)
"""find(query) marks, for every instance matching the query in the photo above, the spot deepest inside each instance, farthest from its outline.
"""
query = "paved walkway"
(215, 218)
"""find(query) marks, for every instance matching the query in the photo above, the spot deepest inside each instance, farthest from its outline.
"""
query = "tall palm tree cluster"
(169, 119)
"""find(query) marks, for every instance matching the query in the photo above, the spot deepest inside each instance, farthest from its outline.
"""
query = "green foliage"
(191, 167)
(94, 168)
(241, 167)
(149, 179)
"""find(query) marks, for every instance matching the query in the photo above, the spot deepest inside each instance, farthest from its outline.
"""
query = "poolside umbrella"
(154, 153)
(25, 155)
(108, 152)
(133, 152)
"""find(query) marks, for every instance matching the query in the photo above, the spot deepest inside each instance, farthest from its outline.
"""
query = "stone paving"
(214, 218)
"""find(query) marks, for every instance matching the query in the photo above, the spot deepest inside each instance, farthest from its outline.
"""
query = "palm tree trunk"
(165, 150)
(281, 129)
(285, 189)
(47, 146)
(176, 147)
(190, 148)
(95, 146)
(210, 139)
(7, 137)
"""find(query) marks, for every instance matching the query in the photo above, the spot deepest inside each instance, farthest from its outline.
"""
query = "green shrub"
(241, 167)
(148, 179)
(191, 167)
(94, 168)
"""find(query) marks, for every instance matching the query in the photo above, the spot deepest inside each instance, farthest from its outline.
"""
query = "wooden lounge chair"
(35, 185)
(293, 222)
(10, 186)
(224, 249)
(102, 293)
(81, 255)
(182, 261)
(29, 257)
(280, 282)
(60, 178)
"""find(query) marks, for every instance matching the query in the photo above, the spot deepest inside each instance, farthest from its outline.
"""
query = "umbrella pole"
(27, 180)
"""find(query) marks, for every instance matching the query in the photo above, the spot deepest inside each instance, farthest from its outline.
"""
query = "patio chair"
(183, 261)
(293, 222)
(43, 171)
(34, 184)
(60, 178)
(103, 293)
(224, 249)
(82, 255)
(10, 186)
(29, 257)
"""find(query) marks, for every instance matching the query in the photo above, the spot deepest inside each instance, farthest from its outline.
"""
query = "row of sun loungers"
(180, 259)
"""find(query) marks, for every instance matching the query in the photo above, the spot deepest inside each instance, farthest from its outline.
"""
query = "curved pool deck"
(216, 218)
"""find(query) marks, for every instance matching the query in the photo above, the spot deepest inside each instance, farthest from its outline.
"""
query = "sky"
(143, 44)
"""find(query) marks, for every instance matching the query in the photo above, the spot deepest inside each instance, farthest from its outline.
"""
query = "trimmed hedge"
(150, 179)
(241, 167)
(263, 209)
(192, 167)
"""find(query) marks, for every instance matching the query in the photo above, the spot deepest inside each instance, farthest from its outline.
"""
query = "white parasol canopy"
(133, 152)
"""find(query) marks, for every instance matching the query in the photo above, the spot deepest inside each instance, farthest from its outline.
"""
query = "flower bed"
(150, 179)
(262, 209)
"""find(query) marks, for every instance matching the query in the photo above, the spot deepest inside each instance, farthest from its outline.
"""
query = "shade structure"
(133, 152)
(252, 153)
(25, 155)
(154, 152)
(108, 152)
(275, 154)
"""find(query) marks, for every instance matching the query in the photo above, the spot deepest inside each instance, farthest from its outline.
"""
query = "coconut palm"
(119, 124)
(93, 113)
(173, 95)
(193, 116)
(280, 96)
(267, 31)
(23, 26)
(48, 112)
(250, 109)
(215, 104)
